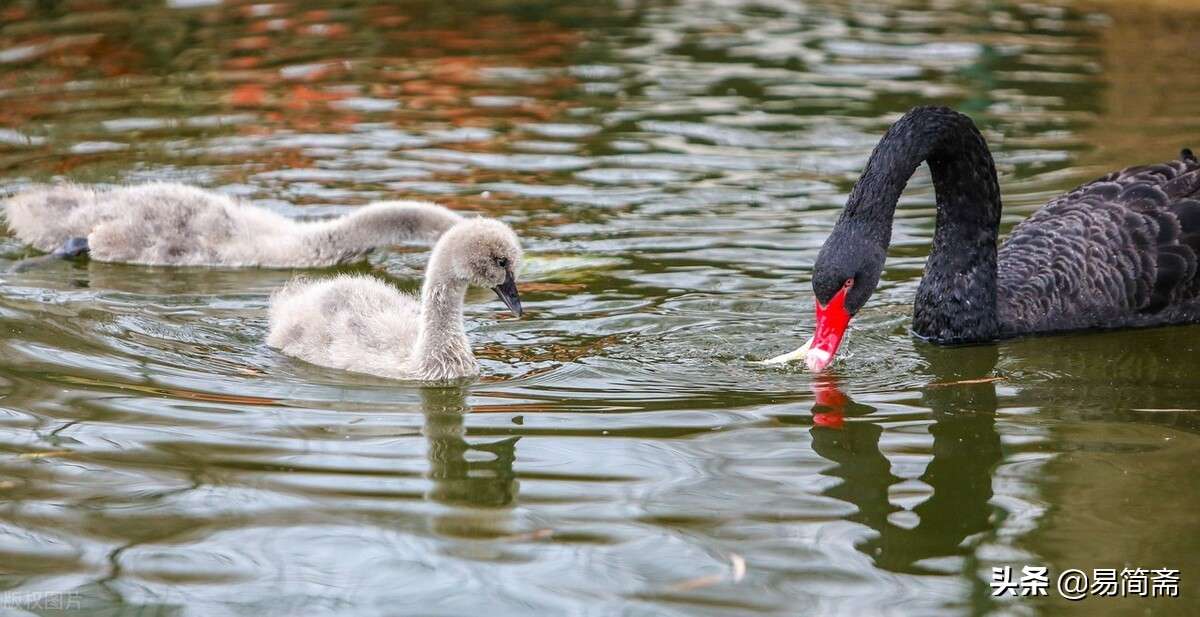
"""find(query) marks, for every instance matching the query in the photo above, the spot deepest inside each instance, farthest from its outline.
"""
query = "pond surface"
(673, 169)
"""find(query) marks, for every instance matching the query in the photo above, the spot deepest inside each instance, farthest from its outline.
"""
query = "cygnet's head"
(486, 253)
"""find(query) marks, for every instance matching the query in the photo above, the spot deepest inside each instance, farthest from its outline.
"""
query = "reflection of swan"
(460, 478)
(179, 225)
(966, 447)
(360, 324)
(1110, 382)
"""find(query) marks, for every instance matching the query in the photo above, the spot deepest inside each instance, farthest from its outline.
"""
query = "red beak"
(832, 320)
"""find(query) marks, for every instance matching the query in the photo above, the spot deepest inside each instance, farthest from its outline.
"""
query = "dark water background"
(673, 168)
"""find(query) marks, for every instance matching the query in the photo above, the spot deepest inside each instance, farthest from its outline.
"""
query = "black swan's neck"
(956, 300)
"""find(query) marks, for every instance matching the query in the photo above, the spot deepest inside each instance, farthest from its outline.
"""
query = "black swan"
(1118, 252)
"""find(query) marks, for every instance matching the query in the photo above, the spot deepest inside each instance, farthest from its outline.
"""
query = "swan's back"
(45, 217)
(1119, 251)
(154, 224)
(165, 223)
(355, 323)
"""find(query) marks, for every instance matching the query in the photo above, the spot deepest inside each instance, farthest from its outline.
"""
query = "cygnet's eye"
(502, 262)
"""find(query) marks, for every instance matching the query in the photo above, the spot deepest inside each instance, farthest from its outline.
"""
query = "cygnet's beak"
(508, 293)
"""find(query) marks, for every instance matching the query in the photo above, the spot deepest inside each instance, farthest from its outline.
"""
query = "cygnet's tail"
(47, 217)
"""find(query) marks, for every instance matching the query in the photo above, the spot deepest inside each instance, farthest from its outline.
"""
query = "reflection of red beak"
(830, 408)
(832, 320)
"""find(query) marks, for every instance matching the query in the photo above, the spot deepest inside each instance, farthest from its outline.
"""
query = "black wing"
(1120, 251)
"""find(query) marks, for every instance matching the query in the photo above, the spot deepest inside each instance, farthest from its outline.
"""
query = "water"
(673, 169)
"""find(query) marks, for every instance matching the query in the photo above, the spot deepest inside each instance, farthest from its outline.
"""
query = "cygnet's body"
(361, 324)
(169, 224)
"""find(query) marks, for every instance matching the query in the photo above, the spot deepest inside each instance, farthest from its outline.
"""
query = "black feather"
(1184, 185)
(1172, 269)
(1187, 255)
(1162, 170)
(1143, 192)
(1168, 226)
(1103, 190)
(1188, 213)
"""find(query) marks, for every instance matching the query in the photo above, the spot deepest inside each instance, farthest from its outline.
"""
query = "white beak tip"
(818, 359)
(800, 353)
(815, 359)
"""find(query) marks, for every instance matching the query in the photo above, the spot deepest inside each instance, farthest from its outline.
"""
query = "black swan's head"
(968, 213)
(844, 277)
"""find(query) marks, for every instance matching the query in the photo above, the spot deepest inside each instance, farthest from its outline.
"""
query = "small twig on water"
(537, 534)
(737, 571)
(963, 382)
(45, 454)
